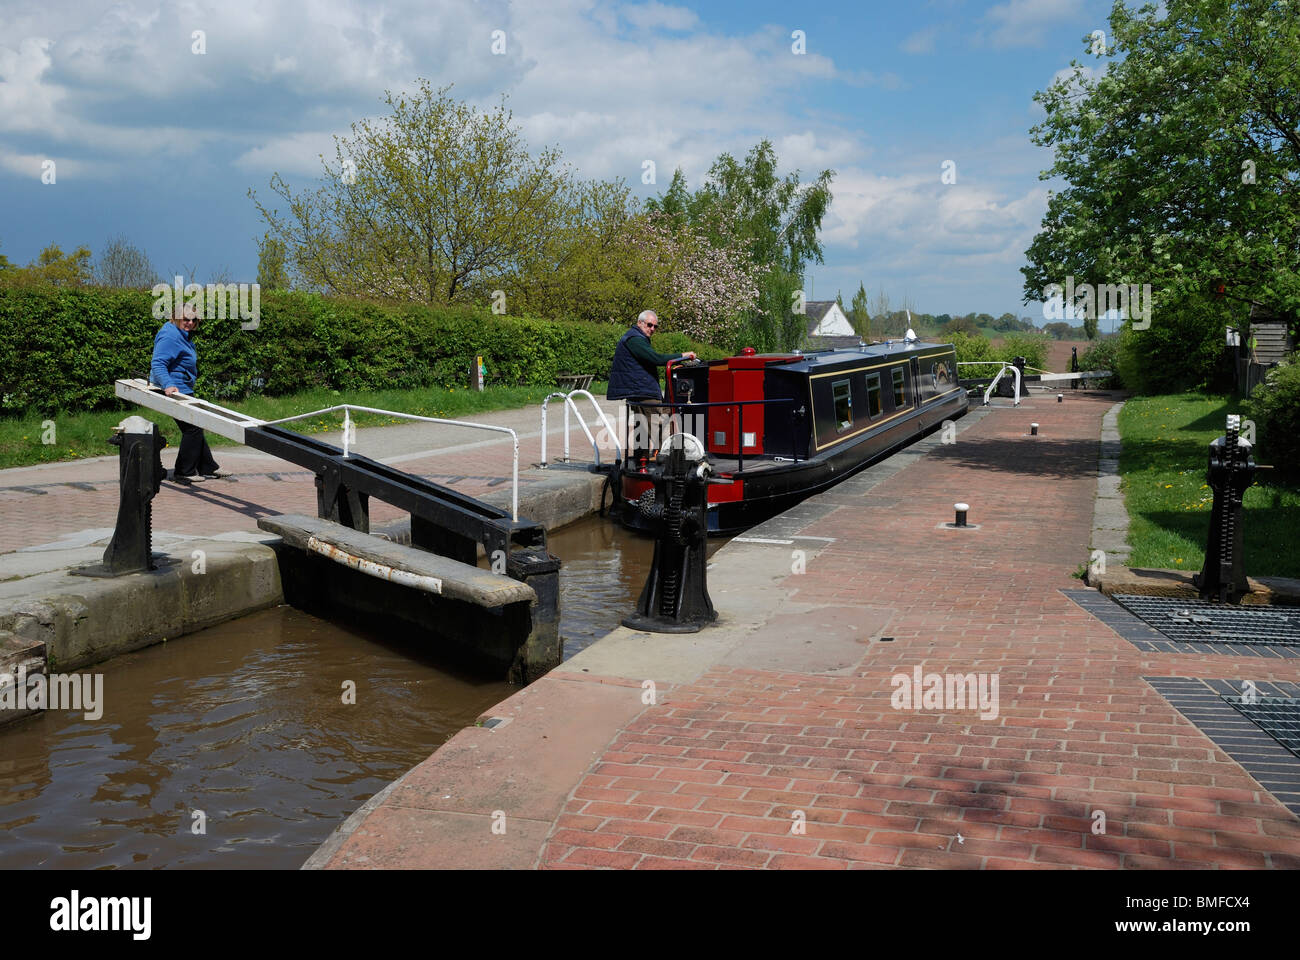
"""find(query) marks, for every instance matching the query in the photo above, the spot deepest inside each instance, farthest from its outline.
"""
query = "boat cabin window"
(873, 395)
(900, 395)
(843, 404)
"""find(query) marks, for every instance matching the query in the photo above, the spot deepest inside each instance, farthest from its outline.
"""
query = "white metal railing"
(1015, 374)
(348, 408)
(582, 422)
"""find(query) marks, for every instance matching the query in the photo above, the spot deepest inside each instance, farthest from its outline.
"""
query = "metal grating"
(1197, 621)
(1279, 717)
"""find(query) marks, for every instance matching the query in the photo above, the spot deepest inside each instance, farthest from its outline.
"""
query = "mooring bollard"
(1231, 470)
(961, 509)
(675, 598)
(1033, 429)
(1060, 398)
(140, 475)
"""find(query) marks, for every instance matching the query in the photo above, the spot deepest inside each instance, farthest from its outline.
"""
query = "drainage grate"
(1279, 717)
(1196, 621)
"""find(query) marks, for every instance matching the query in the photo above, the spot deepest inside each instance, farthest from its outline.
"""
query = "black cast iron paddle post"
(140, 477)
(1231, 471)
(675, 598)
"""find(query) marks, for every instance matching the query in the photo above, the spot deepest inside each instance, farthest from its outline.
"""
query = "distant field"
(1058, 352)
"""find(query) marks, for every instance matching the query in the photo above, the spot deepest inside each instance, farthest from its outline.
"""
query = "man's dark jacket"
(635, 372)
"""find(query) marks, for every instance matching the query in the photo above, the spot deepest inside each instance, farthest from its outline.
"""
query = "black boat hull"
(772, 490)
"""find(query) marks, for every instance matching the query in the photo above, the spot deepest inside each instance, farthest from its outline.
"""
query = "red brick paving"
(727, 760)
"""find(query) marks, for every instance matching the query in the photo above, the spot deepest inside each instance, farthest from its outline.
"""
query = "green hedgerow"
(1275, 408)
(61, 349)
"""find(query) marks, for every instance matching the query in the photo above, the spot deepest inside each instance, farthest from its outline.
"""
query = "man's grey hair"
(646, 315)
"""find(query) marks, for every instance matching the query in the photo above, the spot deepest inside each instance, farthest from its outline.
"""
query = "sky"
(159, 143)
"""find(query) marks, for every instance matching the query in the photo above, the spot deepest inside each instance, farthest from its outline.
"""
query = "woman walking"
(175, 367)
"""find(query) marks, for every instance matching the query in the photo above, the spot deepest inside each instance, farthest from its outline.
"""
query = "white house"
(828, 326)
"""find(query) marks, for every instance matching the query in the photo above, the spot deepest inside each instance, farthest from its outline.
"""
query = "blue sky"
(160, 144)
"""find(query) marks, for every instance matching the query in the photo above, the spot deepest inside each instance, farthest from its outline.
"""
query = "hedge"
(62, 349)
(1275, 408)
(974, 347)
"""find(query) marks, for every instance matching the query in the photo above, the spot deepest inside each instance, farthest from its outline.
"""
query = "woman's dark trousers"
(194, 456)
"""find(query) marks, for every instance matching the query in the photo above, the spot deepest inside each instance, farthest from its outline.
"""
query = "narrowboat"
(776, 428)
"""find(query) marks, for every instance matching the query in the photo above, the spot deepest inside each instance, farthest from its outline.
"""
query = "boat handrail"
(582, 422)
(740, 425)
(711, 403)
(349, 408)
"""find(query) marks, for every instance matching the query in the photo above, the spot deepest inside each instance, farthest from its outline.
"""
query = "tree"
(860, 315)
(53, 267)
(964, 325)
(122, 264)
(271, 273)
(675, 203)
(425, 203)
(1180, 161)
(775, 219)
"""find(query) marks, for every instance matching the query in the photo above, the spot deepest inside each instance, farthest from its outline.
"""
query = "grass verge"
(1166, 445)
(37, 437)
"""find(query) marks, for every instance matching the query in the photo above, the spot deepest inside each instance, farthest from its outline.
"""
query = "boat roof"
(822, 359)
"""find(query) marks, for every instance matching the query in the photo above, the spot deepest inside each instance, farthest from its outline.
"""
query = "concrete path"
(44, 504)
(778, 738)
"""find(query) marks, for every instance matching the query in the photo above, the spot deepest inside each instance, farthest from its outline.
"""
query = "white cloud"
(905, 227)
(276, 82)
(27, 103)
(652, 15)
(922, 41)
(33, 165)
(1024, 23)
(298, 153)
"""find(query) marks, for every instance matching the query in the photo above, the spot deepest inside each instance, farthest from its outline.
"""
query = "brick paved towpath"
(772, 742)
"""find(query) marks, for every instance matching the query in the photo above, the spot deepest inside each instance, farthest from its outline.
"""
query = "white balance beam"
(201, 413)
(1082, 375)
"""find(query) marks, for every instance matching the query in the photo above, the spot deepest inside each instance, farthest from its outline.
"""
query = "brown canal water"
(233, 748)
